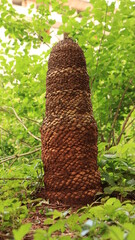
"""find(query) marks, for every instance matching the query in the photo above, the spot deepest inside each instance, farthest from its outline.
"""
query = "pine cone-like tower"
(69, 131)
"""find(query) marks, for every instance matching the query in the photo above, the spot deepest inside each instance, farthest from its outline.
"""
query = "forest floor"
(56, 221)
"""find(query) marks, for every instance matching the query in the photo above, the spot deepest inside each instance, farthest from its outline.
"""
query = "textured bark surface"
(69, 131)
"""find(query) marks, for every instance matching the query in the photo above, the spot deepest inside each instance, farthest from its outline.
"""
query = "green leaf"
(22, 231)
(131, 235)
(40, 234)
(58, 226)
(115, 233)
(65, 238)
(48, 221)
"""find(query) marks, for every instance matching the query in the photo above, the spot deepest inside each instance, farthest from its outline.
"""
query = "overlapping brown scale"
(69, 131)
(77, 102)
(63, 56)
(78, 77)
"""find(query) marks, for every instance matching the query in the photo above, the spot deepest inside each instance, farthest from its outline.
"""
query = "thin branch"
(102, 137)
(117, 113)
(13, 178)
(124, 124)
(32, 120)
(20, 179)
(12, 162)
(4, 158)
(10, 133)
(2, 109)
(130, 123)
(100, 44)
(119, 106)
(18, 155)
(20, 120)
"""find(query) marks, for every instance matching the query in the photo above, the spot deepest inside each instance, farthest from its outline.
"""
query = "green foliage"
(16, 186)
(111, 220)
(107, 39)
(118, 170)
(22, 231)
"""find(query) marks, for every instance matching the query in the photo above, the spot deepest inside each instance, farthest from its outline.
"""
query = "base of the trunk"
(70, 199)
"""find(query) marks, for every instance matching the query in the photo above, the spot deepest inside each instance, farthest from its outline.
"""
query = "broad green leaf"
(40, 234)
(131, 234)
(22, 231)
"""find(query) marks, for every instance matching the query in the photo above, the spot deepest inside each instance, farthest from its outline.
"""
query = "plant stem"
(124, 124)
(20, 120)
(19, 155)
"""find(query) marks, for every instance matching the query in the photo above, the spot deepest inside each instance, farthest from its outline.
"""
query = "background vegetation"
(107, 38)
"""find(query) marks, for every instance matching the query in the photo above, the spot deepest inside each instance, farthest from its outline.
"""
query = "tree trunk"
(69, 131)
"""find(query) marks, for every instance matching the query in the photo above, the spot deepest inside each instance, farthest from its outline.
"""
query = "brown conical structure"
(69, 131)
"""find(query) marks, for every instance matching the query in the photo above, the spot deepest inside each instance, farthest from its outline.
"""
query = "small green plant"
(22, 231)
(16, 187)
(118, 171)
(110, 220)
